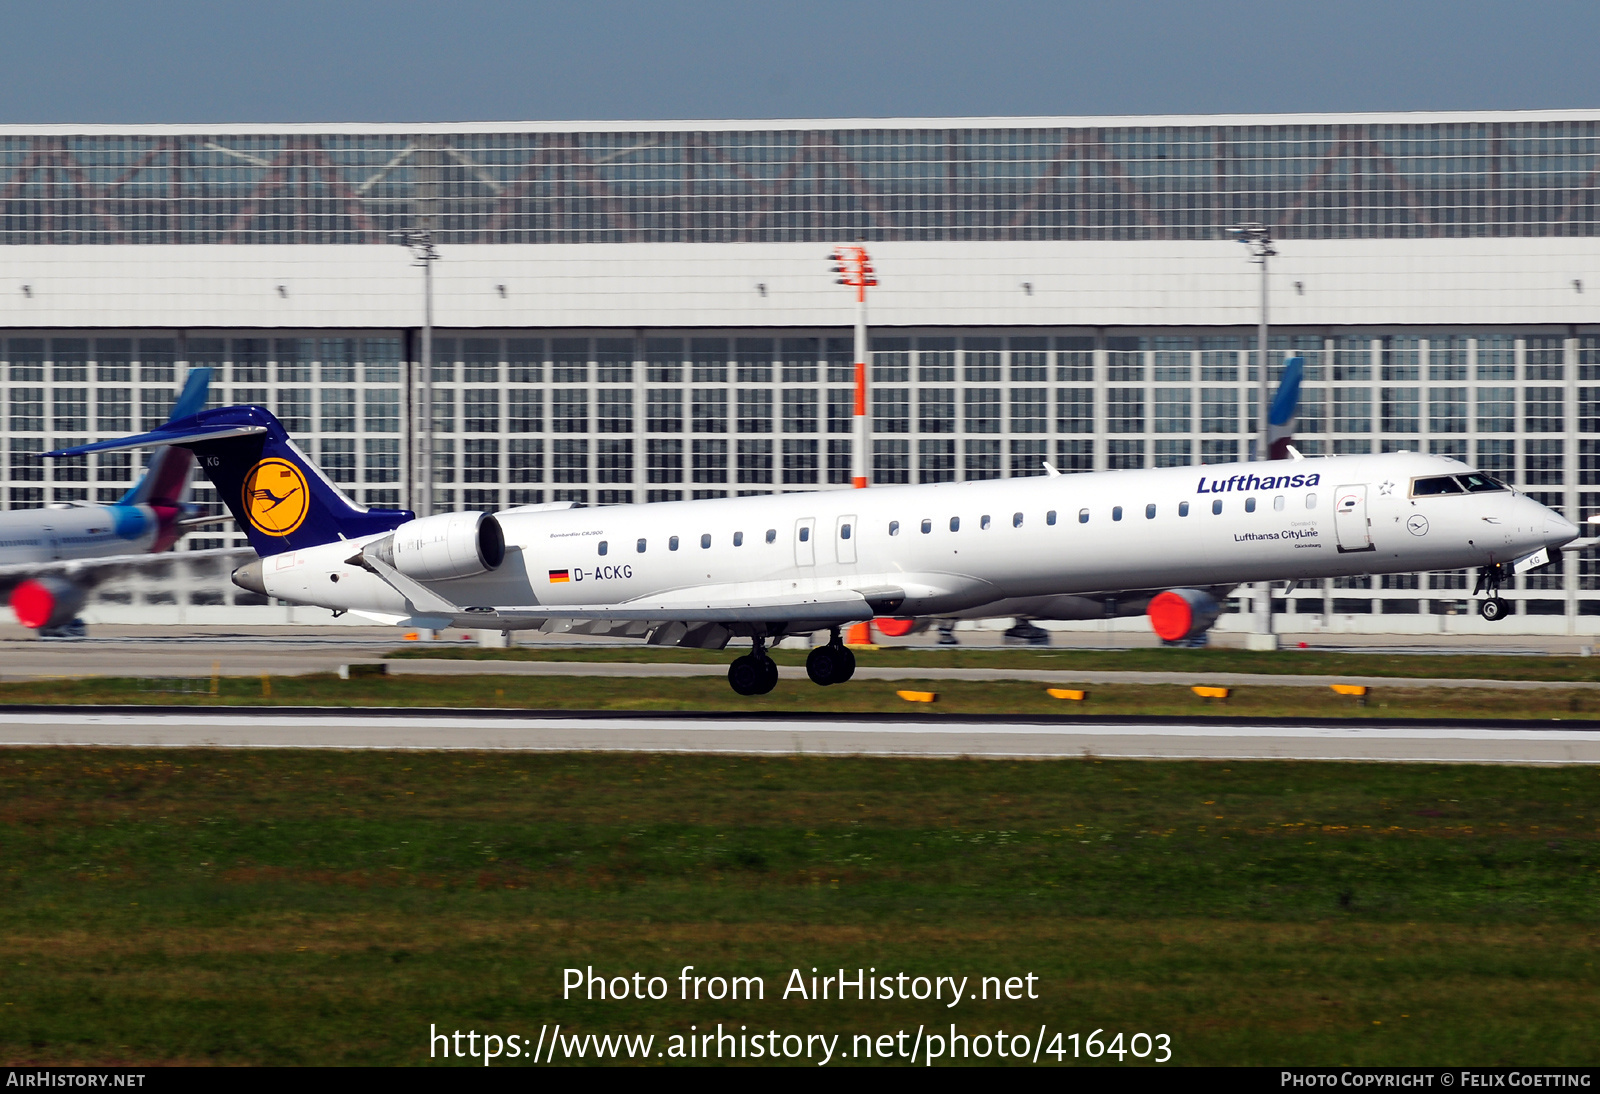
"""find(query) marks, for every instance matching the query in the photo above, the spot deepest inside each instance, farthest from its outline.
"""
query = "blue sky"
(357, 60)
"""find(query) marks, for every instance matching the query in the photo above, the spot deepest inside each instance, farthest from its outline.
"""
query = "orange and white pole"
(855, 270)
(858, 450)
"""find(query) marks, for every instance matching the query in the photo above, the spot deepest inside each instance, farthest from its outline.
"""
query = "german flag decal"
(558, 576)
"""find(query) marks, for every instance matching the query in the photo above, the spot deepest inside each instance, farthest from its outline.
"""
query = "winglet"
(1050, 470)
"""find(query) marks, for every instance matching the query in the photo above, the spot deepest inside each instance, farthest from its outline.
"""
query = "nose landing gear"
(755, 673)
(831, 664)
(1494, 608)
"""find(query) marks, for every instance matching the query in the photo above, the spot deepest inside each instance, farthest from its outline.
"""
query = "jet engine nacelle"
(899, 628)
(444, 546)
(1178, 614)
(48, 601)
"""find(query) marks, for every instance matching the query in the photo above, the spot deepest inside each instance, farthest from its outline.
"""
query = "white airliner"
(51, 557)
(699, 573)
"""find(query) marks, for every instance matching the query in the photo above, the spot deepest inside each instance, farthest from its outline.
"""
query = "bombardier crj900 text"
(699, 573)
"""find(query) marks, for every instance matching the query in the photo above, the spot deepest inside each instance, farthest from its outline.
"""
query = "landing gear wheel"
(1494, 609)
(769, 677)
(823, 664)
(747, 675)
(844, 662)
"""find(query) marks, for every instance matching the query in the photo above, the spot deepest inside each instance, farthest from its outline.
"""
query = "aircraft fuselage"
(957, 547)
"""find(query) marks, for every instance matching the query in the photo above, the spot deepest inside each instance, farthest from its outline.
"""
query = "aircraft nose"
(249, 577)
(1558, 529)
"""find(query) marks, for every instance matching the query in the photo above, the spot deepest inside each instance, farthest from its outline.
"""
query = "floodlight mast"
(423, 253)
(853, 267)
(1258, 238)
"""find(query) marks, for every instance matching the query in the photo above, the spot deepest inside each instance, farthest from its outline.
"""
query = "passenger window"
(1050, 518)
(1216, 507)
(983, 522)
(1116, 512)
(927, 526)
(1083, 516)
(705, 540)
(1277, 504)
(738, 539)
(672, 543)
(603, 546)
(1183, 508)
(1149, 512)
(805, 534)
(772, 535)
(894, 528)
(844, 531)
(955, 524)
(1016, 520)
(641, 546)
(1249, 505)
(1311, 501)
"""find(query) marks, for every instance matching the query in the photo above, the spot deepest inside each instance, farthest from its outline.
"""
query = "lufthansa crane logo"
(275, 497)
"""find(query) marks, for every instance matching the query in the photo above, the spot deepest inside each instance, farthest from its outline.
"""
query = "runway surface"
(1536, 743)
(253, 656)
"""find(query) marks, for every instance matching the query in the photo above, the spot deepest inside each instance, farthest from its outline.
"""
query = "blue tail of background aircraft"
(166, 480)
(1281, 416)
(280, 498)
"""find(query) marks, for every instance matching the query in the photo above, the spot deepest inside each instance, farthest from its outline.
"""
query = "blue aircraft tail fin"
(281, 500)
(166, 480)
(1280, 417)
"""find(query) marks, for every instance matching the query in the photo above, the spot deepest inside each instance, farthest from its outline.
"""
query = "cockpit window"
(1435, 484)
(1477, 482)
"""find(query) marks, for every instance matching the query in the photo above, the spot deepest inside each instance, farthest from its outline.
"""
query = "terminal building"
(636, 312)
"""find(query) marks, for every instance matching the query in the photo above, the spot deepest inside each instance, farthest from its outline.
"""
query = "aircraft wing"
(93, 571)
(846, 606)
(693, 606)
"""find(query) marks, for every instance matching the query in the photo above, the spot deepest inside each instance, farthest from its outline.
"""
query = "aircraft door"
(1351, 525)
(845, 540)
(805, 541)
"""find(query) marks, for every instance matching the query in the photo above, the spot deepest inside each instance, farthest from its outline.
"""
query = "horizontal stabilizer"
(163, 436)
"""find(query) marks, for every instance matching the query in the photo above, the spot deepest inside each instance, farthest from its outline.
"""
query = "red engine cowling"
(47, 601)
(1182, 613)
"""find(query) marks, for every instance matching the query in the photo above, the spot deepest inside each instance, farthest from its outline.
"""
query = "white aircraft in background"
(51, 557)
(700, 573)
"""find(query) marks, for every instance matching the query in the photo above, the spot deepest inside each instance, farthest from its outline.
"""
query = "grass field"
(1282, 662)
(711, 693)
(283, 908)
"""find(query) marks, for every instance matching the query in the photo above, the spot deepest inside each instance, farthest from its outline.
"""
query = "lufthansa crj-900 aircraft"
(51, 557)
(699, 573)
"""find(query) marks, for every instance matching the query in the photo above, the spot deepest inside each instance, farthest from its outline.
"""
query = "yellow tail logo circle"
(276, 500)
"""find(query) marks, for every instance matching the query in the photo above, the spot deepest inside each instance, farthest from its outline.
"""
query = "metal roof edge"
(1122, 121)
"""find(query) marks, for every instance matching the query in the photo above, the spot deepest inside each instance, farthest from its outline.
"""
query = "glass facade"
(606, 417)
(1353, 179)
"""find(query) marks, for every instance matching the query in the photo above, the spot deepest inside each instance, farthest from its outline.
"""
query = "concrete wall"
(1314, 283)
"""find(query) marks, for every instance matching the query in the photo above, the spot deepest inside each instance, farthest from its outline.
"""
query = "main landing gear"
(1494, 608)
(831, 664)
(755, 673)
